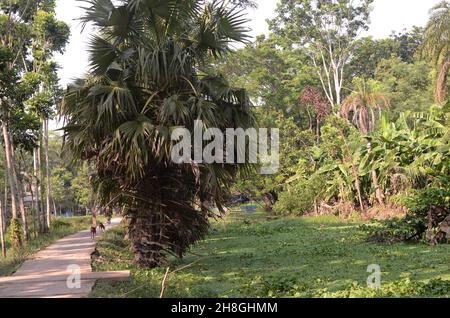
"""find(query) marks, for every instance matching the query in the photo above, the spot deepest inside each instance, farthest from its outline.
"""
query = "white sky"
(388, 15)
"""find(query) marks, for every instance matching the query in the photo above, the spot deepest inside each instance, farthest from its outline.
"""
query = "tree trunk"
(2, 234)
(41, 185)
(318, 130)
(17, 240)
(358, 187)
(33, 211)
(5, 208)
(309, 118)
(379, 195)
(18, 182)
(36, 188)
(9, 171)
(144, 233)
(337, 85)
(441, 89)
(47, 174)
(55, 212)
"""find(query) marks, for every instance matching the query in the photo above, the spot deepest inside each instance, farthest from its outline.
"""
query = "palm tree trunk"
(47, 174)
(441, 89)
(144, 233)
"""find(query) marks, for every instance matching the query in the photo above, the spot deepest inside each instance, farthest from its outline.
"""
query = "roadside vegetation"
(61, 227)
(260, 255)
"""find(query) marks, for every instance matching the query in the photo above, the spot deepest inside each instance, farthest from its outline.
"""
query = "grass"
(61, 227)
(258, 256)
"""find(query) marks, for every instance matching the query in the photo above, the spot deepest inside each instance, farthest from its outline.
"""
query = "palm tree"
(149, 74)
(436, 45)
(362, 104)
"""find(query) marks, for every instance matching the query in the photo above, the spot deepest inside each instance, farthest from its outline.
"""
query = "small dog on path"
(101, 226)
(93, 232)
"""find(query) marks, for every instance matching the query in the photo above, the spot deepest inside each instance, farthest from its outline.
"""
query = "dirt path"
(62, 270)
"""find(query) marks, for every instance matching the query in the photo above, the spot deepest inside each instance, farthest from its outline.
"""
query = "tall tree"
(147, 76)
(326, 30)
(29, 34)
(9, 46)
(407, 43)
(50, 36)
(407, 85)
(312, 97)
(273, 74)
(14, 21)
(367, 53)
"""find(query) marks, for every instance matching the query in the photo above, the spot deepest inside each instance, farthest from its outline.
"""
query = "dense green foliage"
(383, 143)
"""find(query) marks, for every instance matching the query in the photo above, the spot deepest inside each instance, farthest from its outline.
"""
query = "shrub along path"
(53, 272)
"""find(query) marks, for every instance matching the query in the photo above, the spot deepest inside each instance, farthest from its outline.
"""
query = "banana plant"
(413, 151)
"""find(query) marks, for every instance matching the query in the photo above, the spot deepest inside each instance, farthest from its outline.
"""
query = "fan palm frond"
(147, 78)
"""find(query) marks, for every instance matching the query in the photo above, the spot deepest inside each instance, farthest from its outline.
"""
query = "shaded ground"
(47, 273)
(251, 256)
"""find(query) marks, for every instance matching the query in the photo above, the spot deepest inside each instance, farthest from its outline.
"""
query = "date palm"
(150, 63)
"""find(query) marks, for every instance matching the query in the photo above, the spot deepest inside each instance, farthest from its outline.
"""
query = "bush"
(391, 231)
(426, 203)
(299, 198)
(58, 223)
(15, 233)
